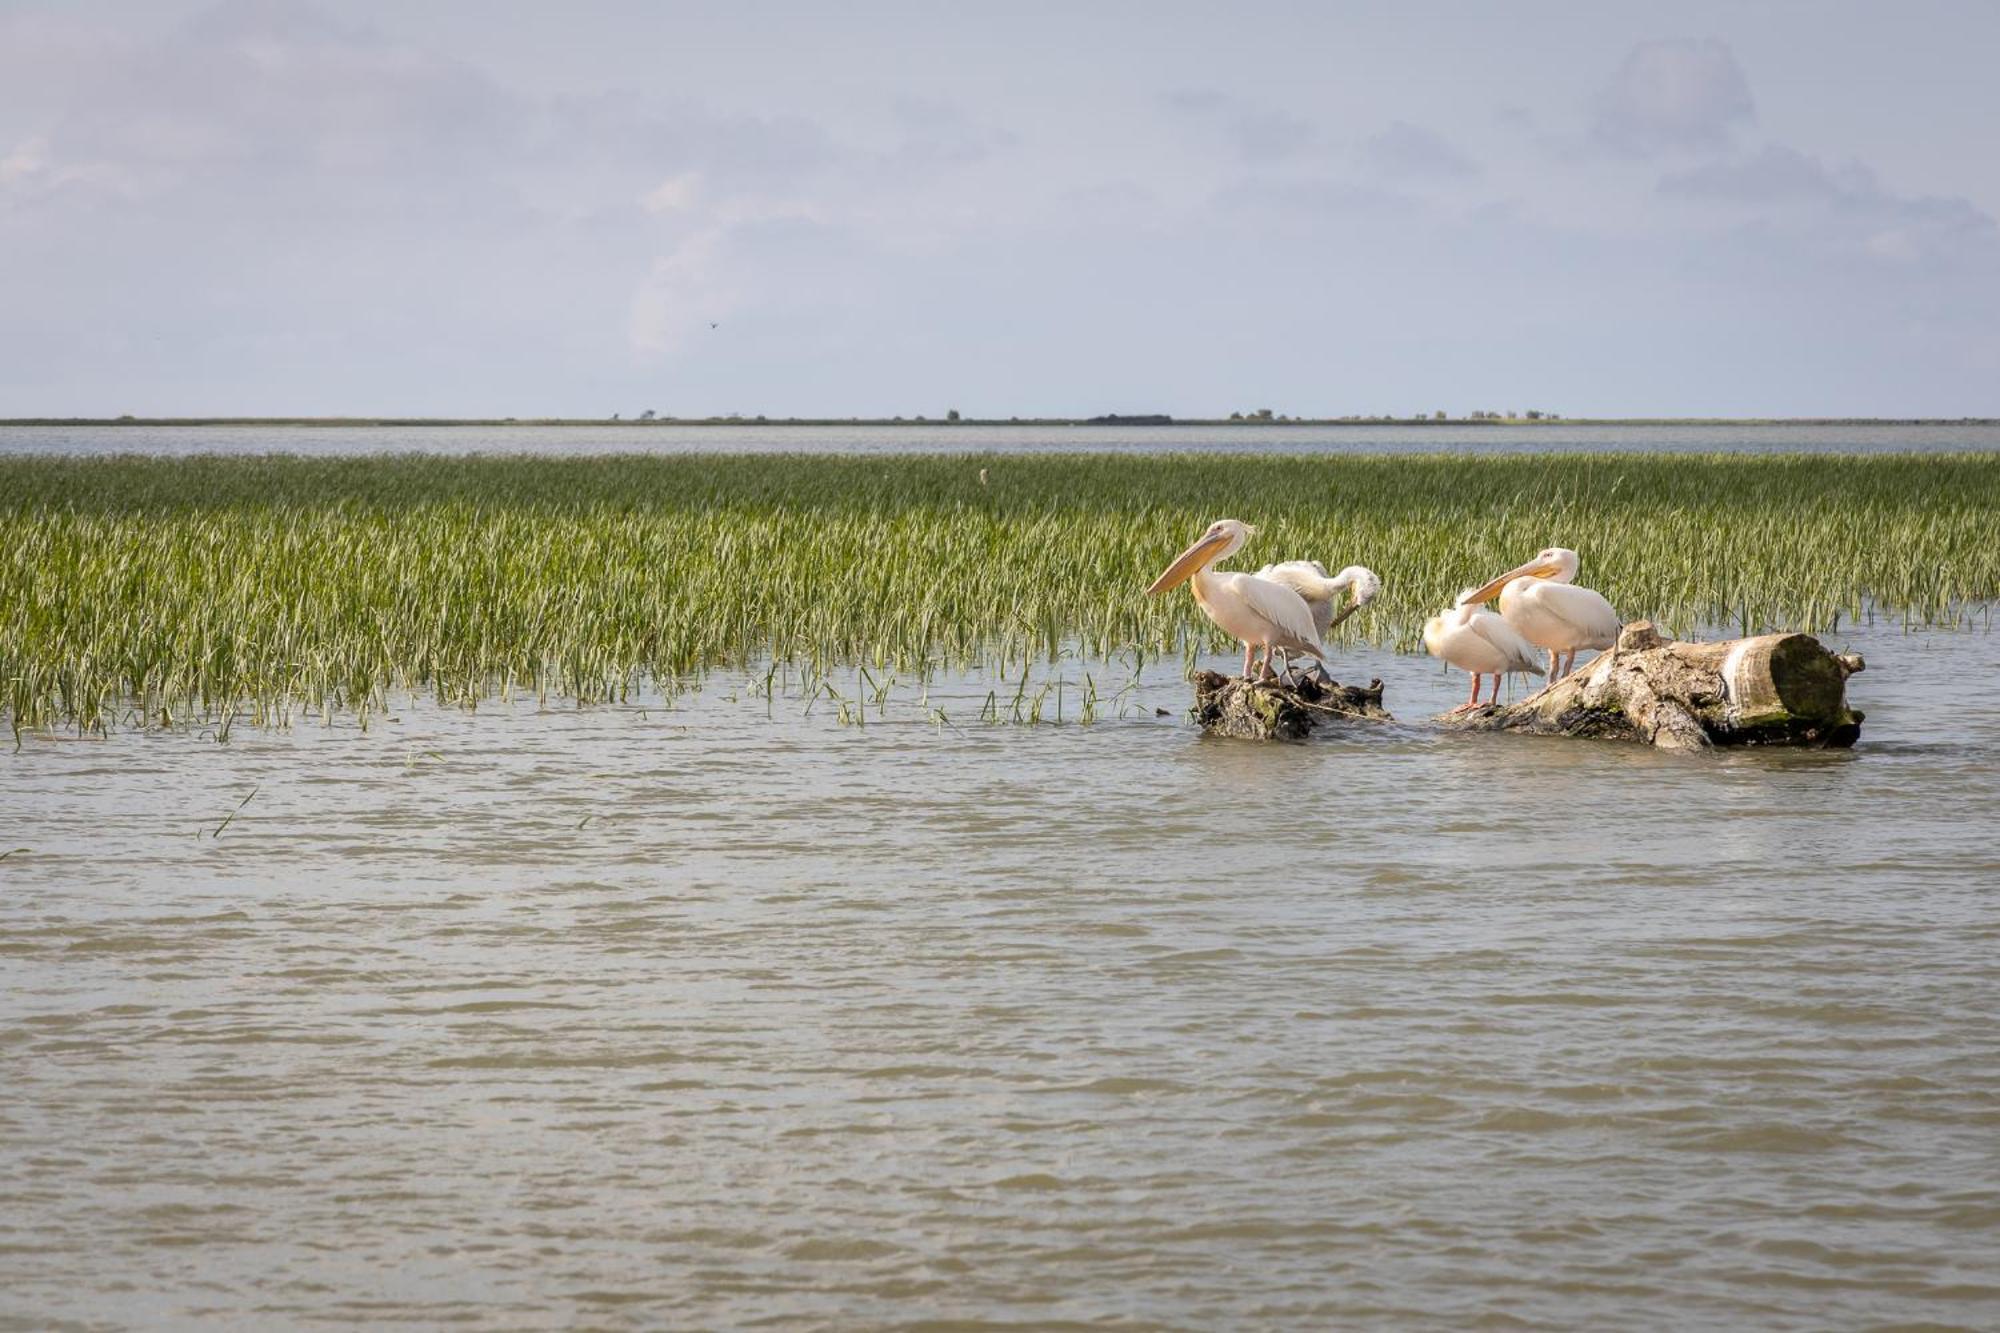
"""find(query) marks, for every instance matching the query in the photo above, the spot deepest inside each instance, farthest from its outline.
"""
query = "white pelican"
(1261, 613)
(1309, 579)
(1538, 600)
(1474, 639)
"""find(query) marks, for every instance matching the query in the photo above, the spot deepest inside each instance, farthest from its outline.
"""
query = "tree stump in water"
(1268, 710)
(1775, 689)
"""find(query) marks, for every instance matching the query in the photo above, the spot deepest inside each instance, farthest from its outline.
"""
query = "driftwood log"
(1267, 710)
(1775, 689)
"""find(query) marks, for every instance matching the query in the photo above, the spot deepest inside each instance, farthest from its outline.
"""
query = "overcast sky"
(509, 208)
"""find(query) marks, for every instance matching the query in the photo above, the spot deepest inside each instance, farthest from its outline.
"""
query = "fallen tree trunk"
(1775, 689)
(1268, 710)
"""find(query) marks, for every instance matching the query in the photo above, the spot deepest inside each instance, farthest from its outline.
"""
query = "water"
(752, 437)
(723, 1014)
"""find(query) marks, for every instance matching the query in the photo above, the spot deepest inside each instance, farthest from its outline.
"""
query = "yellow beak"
(1187, 562)
(1533, 568)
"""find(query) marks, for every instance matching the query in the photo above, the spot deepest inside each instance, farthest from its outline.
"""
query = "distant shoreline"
(970, 423)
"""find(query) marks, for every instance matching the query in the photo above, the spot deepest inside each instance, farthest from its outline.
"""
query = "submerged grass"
(180, 589)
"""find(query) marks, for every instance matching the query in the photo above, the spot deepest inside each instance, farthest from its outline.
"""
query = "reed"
(171, 590)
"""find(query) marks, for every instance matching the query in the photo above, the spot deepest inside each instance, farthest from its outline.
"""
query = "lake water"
(727, 1014)
(752, 437)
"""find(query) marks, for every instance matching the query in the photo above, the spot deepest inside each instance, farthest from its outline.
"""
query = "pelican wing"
(1281, 609)
(1307, 578)
(1506, 640)
(1585, 611)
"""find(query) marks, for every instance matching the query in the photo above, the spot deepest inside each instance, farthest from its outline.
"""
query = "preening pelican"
(1309, 579)
(1474, 639)
(1538, 600)
(1263, 614)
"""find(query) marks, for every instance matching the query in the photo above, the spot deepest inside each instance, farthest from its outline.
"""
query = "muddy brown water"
(722, 1014)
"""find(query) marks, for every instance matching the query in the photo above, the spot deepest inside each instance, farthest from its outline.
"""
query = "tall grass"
(175, 589)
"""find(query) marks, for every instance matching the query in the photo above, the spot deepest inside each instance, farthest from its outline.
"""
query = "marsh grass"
(163, 591)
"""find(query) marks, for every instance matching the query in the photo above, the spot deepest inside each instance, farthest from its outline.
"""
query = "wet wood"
(1268, 710)
(1774, 689)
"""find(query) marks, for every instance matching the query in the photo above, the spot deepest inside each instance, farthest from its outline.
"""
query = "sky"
(499, 208)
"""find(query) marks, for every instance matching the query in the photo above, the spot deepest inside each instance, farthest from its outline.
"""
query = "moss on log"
(1268, 710)
(1775, 689)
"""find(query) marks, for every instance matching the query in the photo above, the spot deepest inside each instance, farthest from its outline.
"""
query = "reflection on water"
(714, 1014)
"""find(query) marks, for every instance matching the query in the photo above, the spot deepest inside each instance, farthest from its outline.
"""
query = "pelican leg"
(1293, 674)
(1471, 700)
(1248, 650)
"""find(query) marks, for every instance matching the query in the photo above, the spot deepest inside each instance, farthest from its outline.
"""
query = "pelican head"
(1361, 583)
(1223, 537)
(1558, 564)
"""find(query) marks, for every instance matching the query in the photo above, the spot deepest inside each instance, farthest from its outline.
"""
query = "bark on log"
(1775, 689)
(1267, 710)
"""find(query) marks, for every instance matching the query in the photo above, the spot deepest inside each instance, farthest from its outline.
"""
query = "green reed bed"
(175, 589)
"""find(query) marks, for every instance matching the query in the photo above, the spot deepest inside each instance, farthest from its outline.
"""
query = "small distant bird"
(713, 325)
(982, 476)
(1477, 641)
(1539, 600)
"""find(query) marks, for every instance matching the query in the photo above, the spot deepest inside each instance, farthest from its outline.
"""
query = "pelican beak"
(1187, 562)
(1534, 568)
(1343, 614)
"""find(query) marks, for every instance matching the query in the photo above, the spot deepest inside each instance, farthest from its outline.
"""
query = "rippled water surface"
(723, 1014)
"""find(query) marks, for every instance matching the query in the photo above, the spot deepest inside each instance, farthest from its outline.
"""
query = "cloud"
(1773, 175)
(675, 194)
(938, 136)
(273, 101)
(1843, 207)
(1253, 134)
(268, 208)
(1409, 151)
(1669, 96)
(27, 160)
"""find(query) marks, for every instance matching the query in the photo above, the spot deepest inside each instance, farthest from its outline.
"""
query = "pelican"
(1474, 639)
(1309, 579)
(1539, 600)
(1261, 613)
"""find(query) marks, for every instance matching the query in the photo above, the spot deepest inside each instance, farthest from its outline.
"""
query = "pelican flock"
(1539, 600)
(1290, 607)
